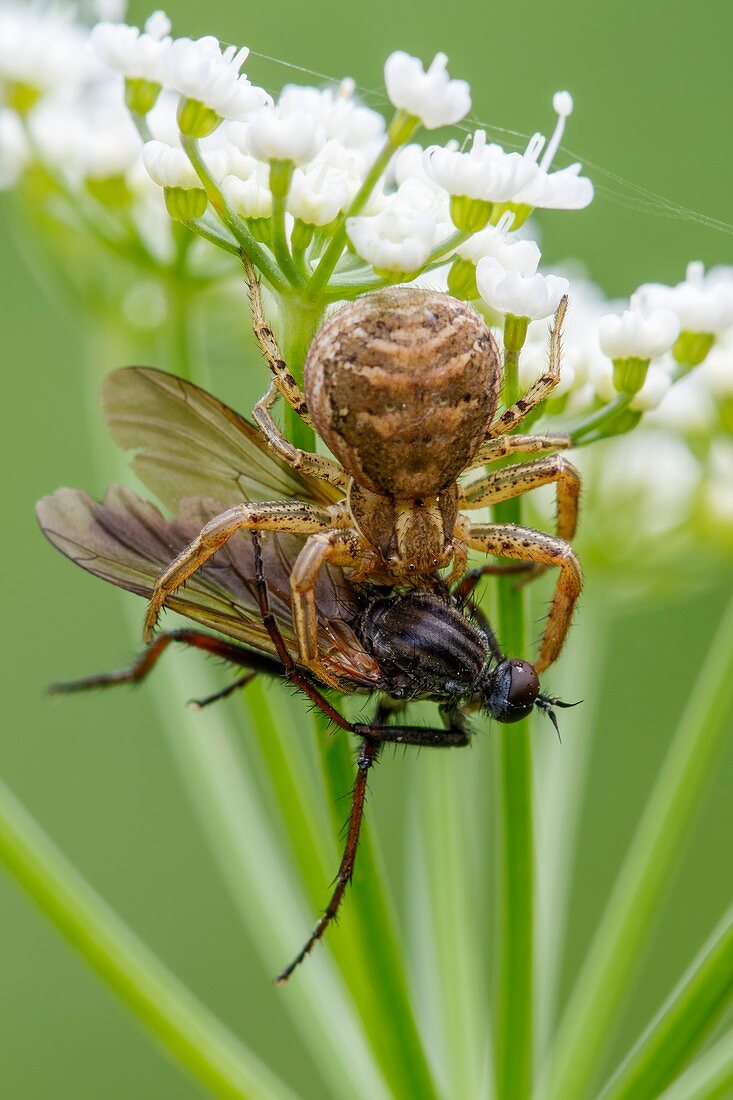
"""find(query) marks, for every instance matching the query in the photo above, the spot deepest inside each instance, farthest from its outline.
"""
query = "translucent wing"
(127, 541)
(188, 444)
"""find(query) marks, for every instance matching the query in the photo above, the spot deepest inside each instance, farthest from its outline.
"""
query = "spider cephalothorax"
(403, 386)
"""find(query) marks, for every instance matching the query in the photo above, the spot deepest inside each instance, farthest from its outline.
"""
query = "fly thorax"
(411, 536)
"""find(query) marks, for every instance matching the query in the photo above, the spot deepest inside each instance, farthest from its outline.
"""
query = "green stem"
(709, 1078)
(280, 175)
(596, 424)
(330, 257)
(513, 1044)
(627, 920)
(259, 255)
(186, 1029)
(298, 324)
(384, 998)
(693, 1009)
(215, 237)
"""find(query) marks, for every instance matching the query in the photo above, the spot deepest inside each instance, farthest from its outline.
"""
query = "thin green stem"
(280, 175)
(330, 257)
(185, 1028)
(627, 920)
(596, 424)
(513, 1045)
(709, 1078)
(210, 234)
(694, 1008)
(259, 255)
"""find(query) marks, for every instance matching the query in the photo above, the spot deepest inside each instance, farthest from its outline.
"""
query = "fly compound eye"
(512, 691)
(524, 687)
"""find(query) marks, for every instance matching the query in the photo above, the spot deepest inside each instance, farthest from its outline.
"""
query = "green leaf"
(690, 1013)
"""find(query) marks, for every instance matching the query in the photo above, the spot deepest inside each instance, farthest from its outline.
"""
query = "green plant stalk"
(696, 1005)
(190, 1034)
(260, 256)
(626, 922)
(444, 828)
(387, 1009)
(513, 1043)
(299, 322)
(561, 772)
(709, 1078)
(330, 257)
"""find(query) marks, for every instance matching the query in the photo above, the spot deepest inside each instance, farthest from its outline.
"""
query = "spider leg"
(144, 664)
(502, 446)
(505, 540)
(512, 417)
(283, 384)
(341, 548)
(327, 469)
(295, 517)
(513, 481)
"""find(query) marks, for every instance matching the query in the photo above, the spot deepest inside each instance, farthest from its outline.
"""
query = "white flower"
(335, 112)
(170, 167)
(717, 370)
(562, 190)
(656, 387)
(426, 200)
(636, 334)
(702, 304)
(533, 296)
(136, 56)
(250, 198)
(318, 194)
(409, 164)
(40, 47)
(533, 363)
(513, 255)
(687, 408)
(486, 172)
(430, 96)
(399, 238)
(294, 137)
(565, 189)
(83, 136)
(14, 150)
(199, 70)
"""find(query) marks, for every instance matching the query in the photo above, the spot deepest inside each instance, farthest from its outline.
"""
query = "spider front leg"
(341, 548)
(292, 517)
(513, 481)
(512, 417)
(505, 540)
(283, 384)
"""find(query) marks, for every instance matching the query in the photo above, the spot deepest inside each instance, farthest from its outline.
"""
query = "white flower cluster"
(322, 188)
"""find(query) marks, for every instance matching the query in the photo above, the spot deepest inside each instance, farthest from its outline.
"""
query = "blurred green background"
(653, 90)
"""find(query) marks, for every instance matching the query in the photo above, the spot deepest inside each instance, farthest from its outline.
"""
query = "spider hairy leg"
(294, 517)
(507, 541)
(512, 417)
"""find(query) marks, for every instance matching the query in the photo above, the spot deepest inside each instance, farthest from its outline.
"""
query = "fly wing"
(188, 444)
(126, 541)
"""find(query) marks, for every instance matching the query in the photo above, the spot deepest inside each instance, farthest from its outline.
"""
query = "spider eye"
(513, 690)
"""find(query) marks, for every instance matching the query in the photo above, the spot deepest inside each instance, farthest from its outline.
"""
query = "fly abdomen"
(420, 635)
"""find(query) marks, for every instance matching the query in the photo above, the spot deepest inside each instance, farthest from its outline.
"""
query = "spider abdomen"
(401, 385)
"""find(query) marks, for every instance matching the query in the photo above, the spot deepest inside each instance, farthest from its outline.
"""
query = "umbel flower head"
(331, 199)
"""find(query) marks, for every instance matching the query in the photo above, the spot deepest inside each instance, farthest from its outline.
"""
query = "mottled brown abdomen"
(402, 385)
